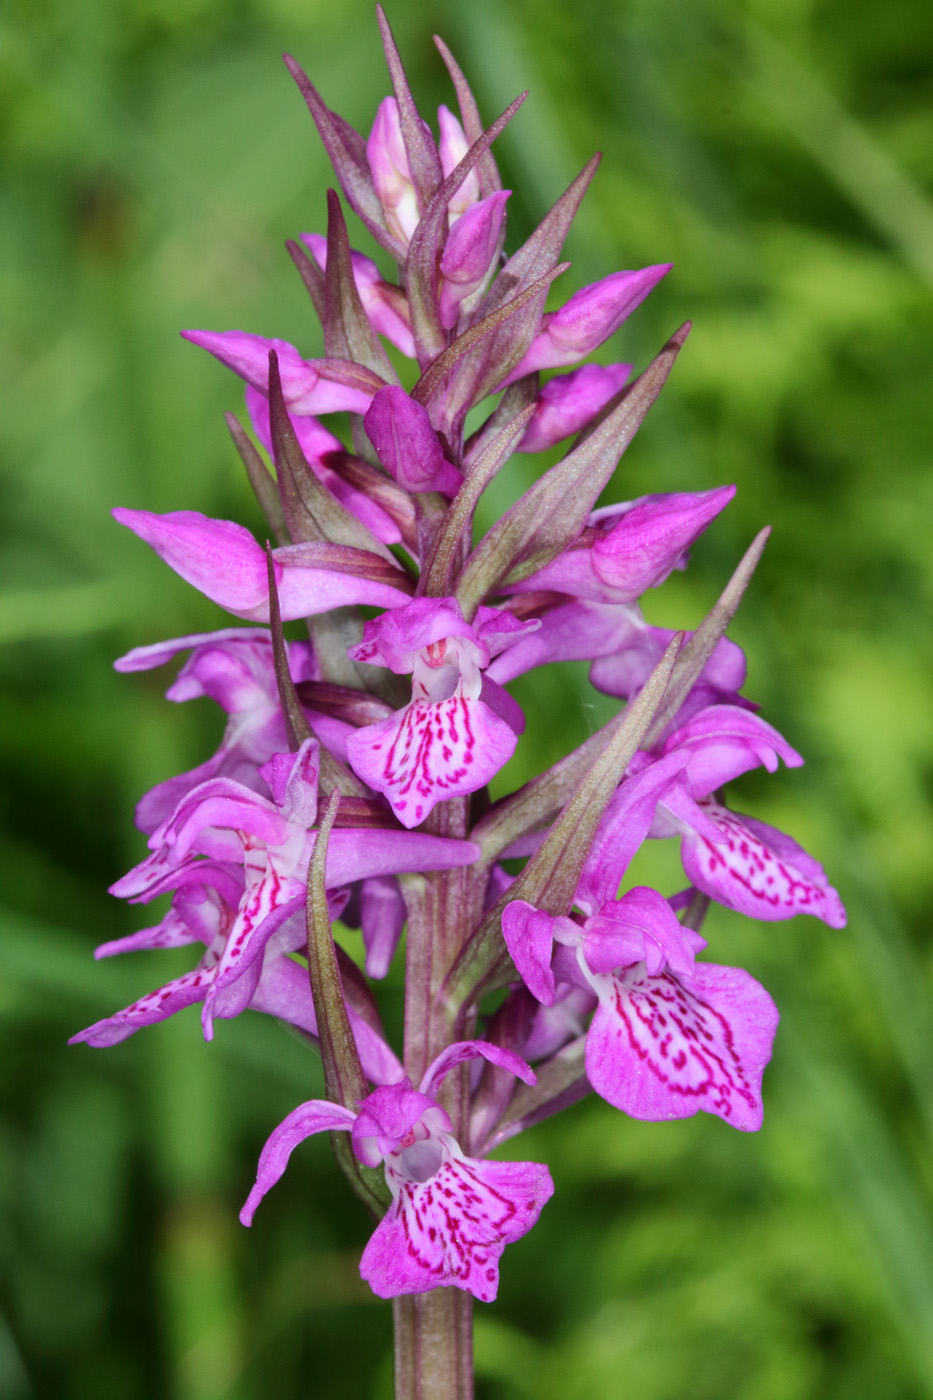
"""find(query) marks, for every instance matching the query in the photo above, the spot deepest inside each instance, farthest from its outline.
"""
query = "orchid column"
(352, 778)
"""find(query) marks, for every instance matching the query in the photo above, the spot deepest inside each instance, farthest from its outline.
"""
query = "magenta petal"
(624, 669)
(725, 741)
(264, 908)
(248, 356)
(317, 1116)
(640, 927)
(503, 704)
(223, 560)
(382, 918)
(387, 1117)
(182, 991)
(293, 781)
(355, 853)
(380, 1063)
(497, 629)
(172, 932)
(529, 937)
(306, 384)
(284, 990)
(646, 541)
(571, 632)
(661, 1047)
(395, 638)
(223, 809)
(463, 1050)
(149, 657)
(567, 402)
(218, 557)
(758, 870)
(408, 447)
(431, 751)
(624, 825)
(450, 1230)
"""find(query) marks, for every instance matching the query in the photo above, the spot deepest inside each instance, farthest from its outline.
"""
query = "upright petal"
(317, 1116)
(725, 741)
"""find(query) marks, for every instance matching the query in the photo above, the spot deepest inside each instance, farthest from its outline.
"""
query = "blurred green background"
(779, 152)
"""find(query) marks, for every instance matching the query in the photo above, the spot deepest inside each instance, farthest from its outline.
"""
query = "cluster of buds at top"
(341, 791)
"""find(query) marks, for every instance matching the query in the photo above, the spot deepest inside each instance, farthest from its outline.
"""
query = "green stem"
(434, 1345)
(434, 1331)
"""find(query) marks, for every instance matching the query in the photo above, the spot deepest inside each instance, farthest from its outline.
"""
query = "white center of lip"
(420, 1161)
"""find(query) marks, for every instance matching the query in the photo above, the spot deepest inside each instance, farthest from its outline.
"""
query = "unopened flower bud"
(452, 147)
(388, 163)
(591, 316)
(470, 251)
(567, 402)
(408, 447)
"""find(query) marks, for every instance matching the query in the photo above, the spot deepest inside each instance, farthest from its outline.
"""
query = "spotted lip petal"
(758, 870)
(431, 751)
(664, 1047)
(451, 1230)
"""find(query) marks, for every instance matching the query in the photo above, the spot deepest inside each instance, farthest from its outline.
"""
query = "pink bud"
(452, 147)
(591, 316)
(388, 163)
(652, 535)
(470, 250)
(408, 447)
(567, 402)
(309, 386)
(635, 547)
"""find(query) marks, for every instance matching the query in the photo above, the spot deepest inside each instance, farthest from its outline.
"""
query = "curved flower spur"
(341, 791)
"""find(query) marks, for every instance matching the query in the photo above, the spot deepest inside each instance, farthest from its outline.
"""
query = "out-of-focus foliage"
(779, 152)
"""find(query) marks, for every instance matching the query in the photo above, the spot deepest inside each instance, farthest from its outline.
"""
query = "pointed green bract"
(550, 878)
(261, 479)
(554, 510)
(347, 332)
(312, 513)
